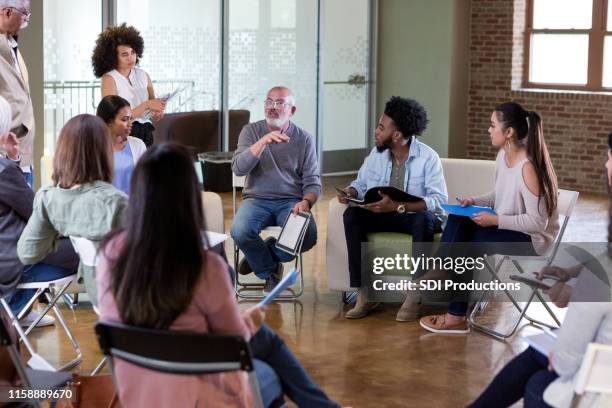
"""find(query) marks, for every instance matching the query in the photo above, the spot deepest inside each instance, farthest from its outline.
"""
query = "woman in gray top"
(15, 209)
(544, 380)
(82, 201)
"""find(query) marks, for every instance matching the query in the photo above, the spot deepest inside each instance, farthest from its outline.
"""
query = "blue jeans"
(268, 347)
(39, 272)
(252, 217)
(526, 376)
(486, 240)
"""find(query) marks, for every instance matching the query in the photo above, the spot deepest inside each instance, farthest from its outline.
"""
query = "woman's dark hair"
(408, 115)
(83, 153)
(109, 106)
(162, 249)
(104, 57)
(528, 127)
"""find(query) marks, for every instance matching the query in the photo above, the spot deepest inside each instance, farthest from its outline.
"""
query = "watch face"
(401, 209)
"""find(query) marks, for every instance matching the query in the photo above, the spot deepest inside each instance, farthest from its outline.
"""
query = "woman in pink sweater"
(525, 203)
(155, 273)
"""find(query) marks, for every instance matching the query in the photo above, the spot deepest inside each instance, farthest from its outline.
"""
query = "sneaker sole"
(444, 331)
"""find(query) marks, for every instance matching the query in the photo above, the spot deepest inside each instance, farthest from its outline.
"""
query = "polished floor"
(372, 362)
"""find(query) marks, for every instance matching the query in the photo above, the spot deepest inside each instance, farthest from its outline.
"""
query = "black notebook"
(372, 196)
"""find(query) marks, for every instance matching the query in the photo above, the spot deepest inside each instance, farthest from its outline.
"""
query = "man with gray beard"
(282, 176)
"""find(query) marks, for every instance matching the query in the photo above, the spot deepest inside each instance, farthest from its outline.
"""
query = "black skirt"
(143, 131)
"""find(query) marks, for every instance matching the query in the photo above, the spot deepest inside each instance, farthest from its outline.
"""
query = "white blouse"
(133, 90)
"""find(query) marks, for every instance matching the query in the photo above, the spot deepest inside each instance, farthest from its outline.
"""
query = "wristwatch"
(401, 208)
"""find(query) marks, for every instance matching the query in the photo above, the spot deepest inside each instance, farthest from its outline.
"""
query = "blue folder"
(287, 281)
(465, 211)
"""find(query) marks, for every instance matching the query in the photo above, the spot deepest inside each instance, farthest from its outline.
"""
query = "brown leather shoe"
(362, 308)
(410, 309)
(438, 324)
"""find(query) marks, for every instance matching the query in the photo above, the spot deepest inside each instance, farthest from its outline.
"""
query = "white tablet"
(292, 234)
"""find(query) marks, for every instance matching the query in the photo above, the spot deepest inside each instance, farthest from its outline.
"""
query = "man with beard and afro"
(398, 160)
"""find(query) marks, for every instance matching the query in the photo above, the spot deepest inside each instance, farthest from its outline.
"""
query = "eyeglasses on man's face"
(271, 103)
(23, 12)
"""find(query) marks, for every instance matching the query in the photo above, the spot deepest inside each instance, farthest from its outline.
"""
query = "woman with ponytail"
(524, 200)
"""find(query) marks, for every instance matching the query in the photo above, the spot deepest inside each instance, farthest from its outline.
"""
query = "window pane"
(562, 13)
(609, 16)
(274, 44)
(282, 13)
(181, 49)
(70, 31)
(549, 59)
(607, 67)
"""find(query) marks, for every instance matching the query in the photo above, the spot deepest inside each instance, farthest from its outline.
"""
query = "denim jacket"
(424, 176)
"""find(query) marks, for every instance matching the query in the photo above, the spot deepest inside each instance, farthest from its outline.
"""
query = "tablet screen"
(292, 231)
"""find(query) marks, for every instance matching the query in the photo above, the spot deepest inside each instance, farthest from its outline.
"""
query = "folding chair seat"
(240, 286)
(53, 290)
(177, 352)
(34, 379)
(565, 205)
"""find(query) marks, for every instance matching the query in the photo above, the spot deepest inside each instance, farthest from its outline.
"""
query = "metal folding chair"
(566, 202)
(53, 290)
(177, 352)
(34, 379)
(241, 287)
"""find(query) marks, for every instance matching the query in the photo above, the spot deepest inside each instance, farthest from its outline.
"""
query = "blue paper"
(465, 211)
(287, 281)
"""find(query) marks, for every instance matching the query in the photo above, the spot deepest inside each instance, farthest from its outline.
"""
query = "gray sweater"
(284, 170)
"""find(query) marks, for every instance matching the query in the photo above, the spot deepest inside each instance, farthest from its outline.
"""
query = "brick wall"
(576, 124)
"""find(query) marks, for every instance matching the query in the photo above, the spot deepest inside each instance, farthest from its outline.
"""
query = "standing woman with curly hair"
(117, 52)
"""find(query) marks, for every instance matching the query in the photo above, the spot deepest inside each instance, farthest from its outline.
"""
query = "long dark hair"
(162, 252)
(109, 107)
(528, 127)
(83, 153)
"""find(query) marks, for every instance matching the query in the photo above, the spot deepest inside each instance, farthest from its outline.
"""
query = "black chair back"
(174, 352)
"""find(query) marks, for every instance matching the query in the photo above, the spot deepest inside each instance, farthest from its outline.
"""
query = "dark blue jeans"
(526, 376)
(252, 217)
(268, 347)
(39, 272)
(485, 240)
(358, 222)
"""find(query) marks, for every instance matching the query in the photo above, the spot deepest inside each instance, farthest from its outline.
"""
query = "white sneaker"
(27, 320)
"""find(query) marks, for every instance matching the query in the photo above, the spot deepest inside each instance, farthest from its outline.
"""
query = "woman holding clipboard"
(524, 201)
(542, 380)
(117, 52)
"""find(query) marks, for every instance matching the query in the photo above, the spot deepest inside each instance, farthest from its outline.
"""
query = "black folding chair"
(177, 352)
(33, 379)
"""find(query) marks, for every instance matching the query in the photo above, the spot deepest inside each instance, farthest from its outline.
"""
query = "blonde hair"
(6, 115)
